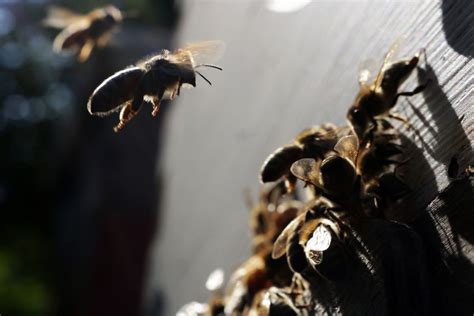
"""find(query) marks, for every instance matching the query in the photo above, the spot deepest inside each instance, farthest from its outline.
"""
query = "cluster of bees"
(349, 174)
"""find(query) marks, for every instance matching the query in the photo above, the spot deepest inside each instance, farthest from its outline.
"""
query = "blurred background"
(98, 223)
(78, 203)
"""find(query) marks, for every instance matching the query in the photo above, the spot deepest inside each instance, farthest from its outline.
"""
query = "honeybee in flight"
(81, 33)
(377, 98)
(153, 80)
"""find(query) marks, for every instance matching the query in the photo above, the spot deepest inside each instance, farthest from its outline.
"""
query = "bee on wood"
(355, 173)
(314, 142)
(153, 80)
(377, 98)
(268, 219)
(271, 214)
(292, 300)
(310, 234)
(81, 33)
(215, 305)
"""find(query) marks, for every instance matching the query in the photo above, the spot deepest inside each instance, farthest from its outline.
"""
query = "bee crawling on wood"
(153, 80)
(293, 300)
(306, 238)
(271, 214)
(81, 33)
(359, 177)
(268, 218)
(377, 98)
(314, 142)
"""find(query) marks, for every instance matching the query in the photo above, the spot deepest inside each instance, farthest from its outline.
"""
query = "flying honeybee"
(154, 79)
(377, 98)
(81, 33)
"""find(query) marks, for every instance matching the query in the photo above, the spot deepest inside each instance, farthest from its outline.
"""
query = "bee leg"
(104, 39)
(180, 83)
(129, 111)
(86, 50)
(156, 107)
(404, 120)
(176, 90)
(417, 90)
(422, 53)
(157, 101)
(126, 114)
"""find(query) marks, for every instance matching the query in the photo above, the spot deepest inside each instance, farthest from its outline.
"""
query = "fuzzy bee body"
(314, 142)
(81, 33)
(153, 80)
(115, 91)
(376, 99)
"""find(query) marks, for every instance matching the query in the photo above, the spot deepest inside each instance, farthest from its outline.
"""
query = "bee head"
(359, 120)
(112, 14)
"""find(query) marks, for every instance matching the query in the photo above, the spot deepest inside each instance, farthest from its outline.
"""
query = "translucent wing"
(215, 281)
(279, 247)
(307, 169)
(72, 37)
(367, 72)
(114, 92)
(348, 147)
(389, 56)
(320, 240)
(59, 17)
(202, 52)
(193, 309)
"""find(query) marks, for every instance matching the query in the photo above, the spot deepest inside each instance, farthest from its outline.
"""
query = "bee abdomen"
(114, 91)
(295, 254)
(279, 162)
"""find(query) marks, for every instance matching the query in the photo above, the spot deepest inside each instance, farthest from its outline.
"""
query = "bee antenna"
(203, 77)
(208, 65)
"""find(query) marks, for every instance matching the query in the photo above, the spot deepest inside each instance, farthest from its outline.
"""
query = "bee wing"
(72, 37)
(86, 50)
(215, 281)
(348, 147)
(202, 52)
(279, 247)
(367, 72)
(307, 169)
(59, 17)
(114, 92)
(389, 56)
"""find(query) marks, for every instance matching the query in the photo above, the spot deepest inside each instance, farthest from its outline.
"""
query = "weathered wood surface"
(285, 72)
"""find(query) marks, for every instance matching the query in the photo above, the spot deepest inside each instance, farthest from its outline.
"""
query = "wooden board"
(284, 72)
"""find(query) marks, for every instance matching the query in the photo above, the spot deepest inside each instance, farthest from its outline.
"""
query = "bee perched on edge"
(376, 99)
(152, 80)
(81, 33)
